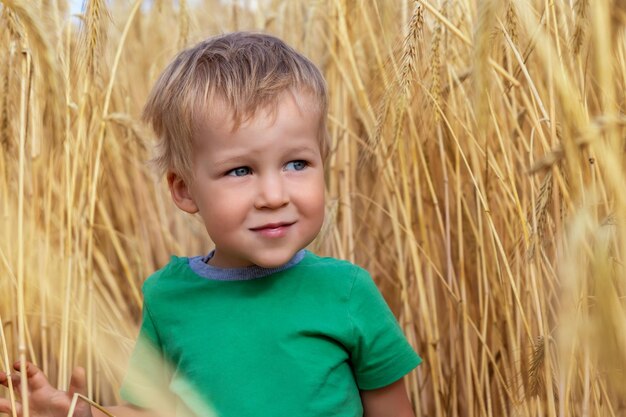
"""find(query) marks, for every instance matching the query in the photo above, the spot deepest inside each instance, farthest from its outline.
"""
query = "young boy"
(260, 326)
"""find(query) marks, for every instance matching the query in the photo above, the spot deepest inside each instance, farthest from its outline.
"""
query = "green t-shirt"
(299, 342)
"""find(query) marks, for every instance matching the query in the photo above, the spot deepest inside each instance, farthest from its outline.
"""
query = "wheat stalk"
(581, 8)
(183, 13)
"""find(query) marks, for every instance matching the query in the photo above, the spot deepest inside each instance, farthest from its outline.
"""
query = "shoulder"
(352, 281)
(168, 274)
(335, 271)
(332, 265)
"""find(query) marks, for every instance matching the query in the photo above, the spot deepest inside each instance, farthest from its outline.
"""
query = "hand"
(43, 399)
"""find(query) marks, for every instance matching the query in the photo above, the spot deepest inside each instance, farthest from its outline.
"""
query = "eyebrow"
(233, 160)
(300, 148)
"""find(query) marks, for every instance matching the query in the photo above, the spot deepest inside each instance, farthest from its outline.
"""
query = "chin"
(274, 261)
(271, 263)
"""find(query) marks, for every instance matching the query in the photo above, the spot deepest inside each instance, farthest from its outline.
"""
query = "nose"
(272, 192)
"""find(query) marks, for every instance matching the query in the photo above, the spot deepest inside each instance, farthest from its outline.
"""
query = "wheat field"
(477, 171)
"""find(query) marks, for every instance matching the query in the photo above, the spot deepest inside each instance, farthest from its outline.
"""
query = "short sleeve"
(380, 354)
(148, 376)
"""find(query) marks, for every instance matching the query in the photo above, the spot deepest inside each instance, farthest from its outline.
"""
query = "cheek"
(225, 208)
(315, 202)
(224, 219)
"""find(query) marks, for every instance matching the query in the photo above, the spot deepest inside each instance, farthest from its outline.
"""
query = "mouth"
(273, 229)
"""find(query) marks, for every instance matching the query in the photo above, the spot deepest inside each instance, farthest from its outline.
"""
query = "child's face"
(259, 189)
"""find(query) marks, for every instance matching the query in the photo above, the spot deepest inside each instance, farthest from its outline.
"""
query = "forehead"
(288, 108)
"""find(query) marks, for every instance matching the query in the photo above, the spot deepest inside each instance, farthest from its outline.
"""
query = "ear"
(180, 193)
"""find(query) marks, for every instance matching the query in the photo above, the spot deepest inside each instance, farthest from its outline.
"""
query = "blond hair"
(241, 72)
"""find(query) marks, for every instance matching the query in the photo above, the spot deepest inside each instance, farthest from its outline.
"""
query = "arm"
(46, 401)
(389, 401)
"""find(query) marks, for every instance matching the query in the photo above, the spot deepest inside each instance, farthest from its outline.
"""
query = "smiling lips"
(273, 230)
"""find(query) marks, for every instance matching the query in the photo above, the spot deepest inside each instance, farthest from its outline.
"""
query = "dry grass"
(477, 171)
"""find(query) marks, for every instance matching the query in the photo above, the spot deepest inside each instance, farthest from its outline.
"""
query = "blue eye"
(239, 172)
(298, 165)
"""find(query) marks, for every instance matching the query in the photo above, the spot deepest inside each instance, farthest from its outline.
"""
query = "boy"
(259, 327)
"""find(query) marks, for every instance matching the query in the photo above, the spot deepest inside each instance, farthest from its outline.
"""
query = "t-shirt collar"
(199, 265)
